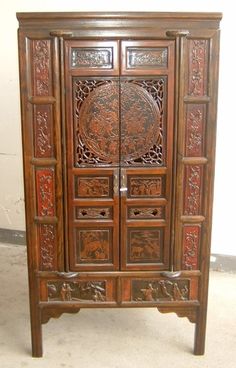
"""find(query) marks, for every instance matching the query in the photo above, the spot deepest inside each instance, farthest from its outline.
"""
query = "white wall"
(11, 182)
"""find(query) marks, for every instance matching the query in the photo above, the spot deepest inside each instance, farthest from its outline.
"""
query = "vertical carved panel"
(47, 247)
(198, 67)
(191, 243)
(193, 189)
(45, 192)
(43, 131)
(41, 60)
(195, 125)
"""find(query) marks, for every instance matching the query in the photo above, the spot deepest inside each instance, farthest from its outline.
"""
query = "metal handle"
(123, 187)
(171, 274)
(116, 184)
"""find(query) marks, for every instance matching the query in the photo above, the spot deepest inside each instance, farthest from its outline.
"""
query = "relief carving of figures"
(93, 187)
(145, 187)
(198, 67)
(77, 291)
(151, 291)
(144, 245)
(41, 60)
(94, 245)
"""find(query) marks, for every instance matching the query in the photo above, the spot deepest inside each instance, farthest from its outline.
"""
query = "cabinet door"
(92, 141)
(146, 130)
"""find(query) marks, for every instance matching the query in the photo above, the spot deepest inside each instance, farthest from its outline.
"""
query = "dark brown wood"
(118, 122)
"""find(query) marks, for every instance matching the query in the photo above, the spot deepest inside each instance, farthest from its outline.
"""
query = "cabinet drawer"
(159, 290)
(81, 290)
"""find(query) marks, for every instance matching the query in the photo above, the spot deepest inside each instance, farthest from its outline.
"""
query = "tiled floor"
(128, 338)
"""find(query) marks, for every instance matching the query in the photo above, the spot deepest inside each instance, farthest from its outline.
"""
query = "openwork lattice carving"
(88, 150)
(155, 155)
(119, 122)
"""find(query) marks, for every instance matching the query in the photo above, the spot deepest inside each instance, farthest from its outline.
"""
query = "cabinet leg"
(36, 334)
(200, 333)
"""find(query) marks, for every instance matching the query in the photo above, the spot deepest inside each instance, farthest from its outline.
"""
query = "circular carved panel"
(99, 121)
(140, 121)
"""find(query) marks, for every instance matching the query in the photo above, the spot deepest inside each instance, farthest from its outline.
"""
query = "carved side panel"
(195, 129)
(82, 291)
(43, 131)
(198, 67)
(95, 213)
(88, 57)
(160, 290)
(41, 67)
(146, 57)
(141, 212)
(45, 192)
(47, 245)
(193, 189)
(191, 245)
(145, 245)
(145, 186)
(95, 187)
(94, 245)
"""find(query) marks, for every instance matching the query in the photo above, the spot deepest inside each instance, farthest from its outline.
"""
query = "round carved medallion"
(101, 130)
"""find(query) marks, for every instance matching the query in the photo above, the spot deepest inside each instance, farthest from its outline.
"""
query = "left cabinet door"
(93, 149)
(40, 101)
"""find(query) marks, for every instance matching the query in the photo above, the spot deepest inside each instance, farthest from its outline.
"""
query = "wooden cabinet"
(118, 122)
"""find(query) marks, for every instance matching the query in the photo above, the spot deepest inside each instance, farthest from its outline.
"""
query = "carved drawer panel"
(146, 57)
(155, 290)
(93, 186)
(146, 213)
(144, 186)
(94, 213)
(81, 290)
(92, 57)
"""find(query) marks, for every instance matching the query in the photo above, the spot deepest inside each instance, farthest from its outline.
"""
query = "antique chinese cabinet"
(118, 122)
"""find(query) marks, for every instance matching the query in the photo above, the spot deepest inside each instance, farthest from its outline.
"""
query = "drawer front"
(159, 290)
(87, 290)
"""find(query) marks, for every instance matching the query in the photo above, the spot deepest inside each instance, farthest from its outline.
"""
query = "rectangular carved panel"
(191, 245)
(145, 186)
(43, 131)
(151, 212)
(47, 247)
(146, 57)
(92, 187)
(158, 290)
(82, 291)
(92, 57)
(45, 191)
(95, 213)
(41, 67)
(145, 245)
(198, 67)
(193, 182)
(94, 246)
(195, 129)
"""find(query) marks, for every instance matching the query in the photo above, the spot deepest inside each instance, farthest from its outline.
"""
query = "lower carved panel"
(86, 291)
(47, 245)
(94, 245)
(159, 290)
(191, 245)
(145, 245)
